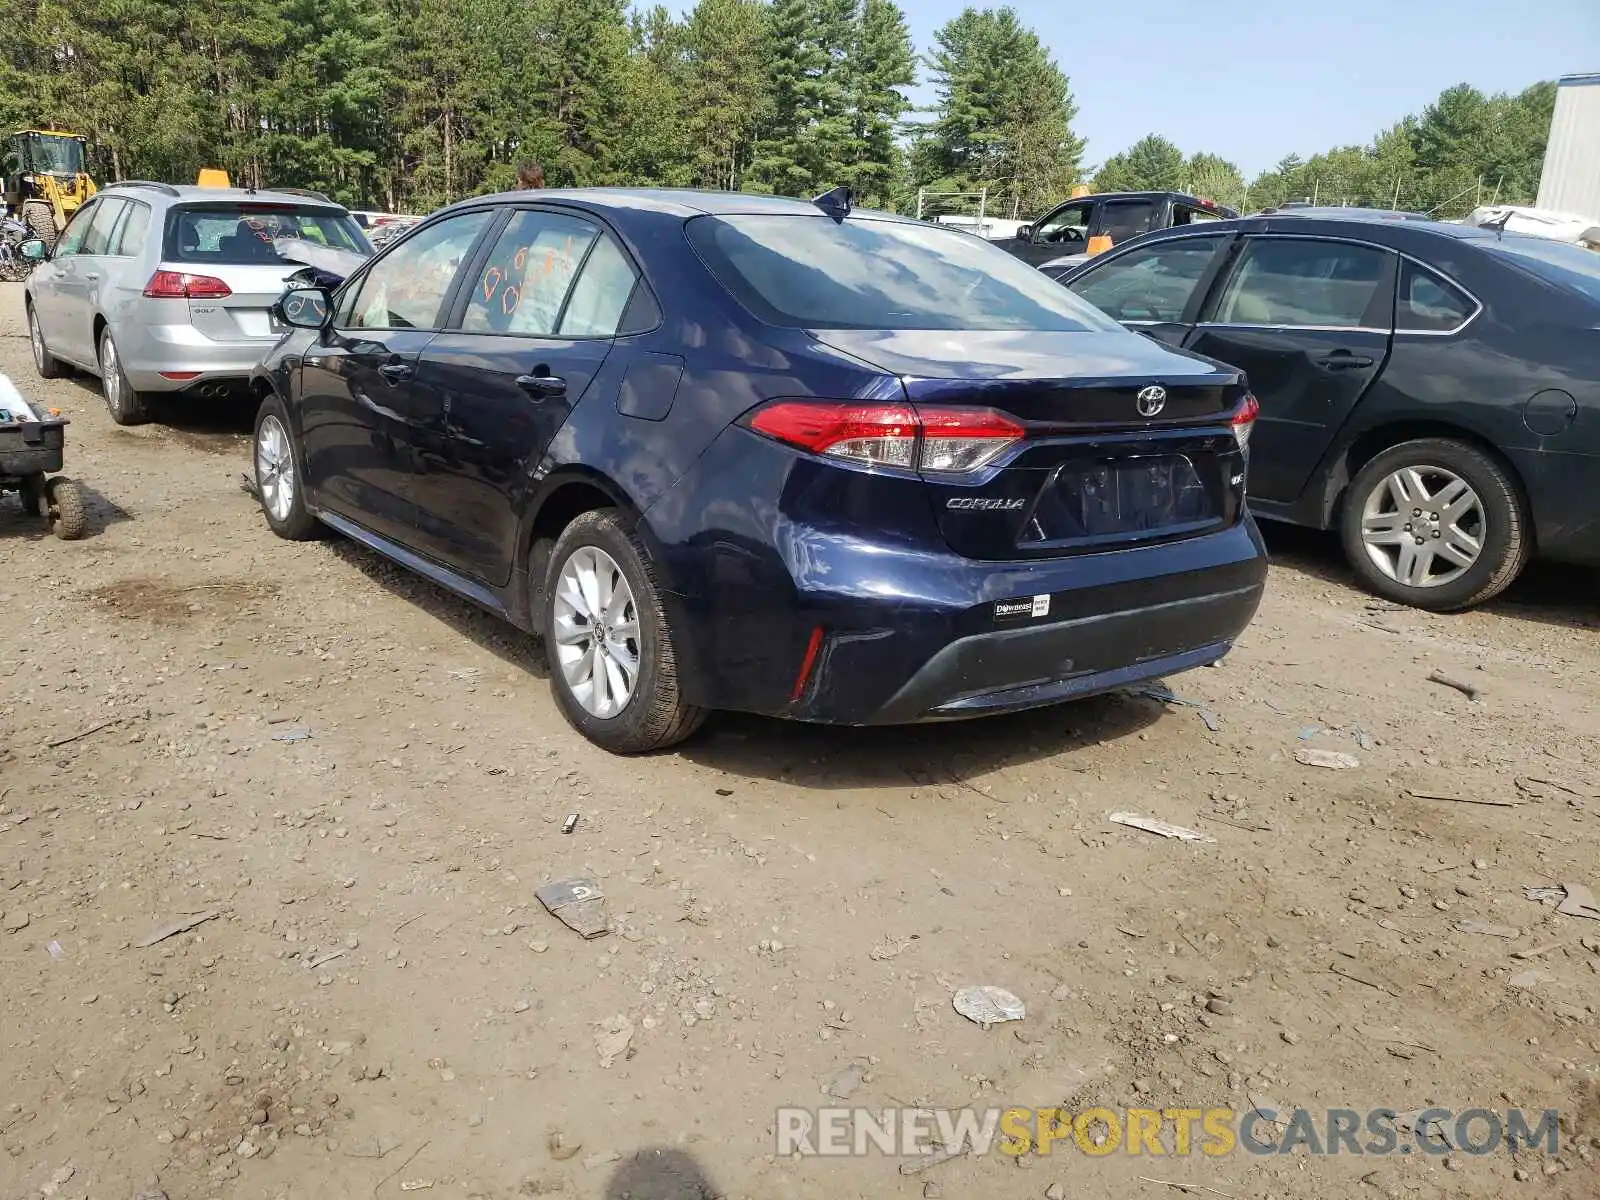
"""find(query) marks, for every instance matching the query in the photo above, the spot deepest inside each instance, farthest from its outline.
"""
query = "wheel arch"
(561, 497)
(1361, 449)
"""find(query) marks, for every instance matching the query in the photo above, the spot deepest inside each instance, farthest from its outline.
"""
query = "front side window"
(1151, 283)
(1067, 224)
(72, 237)
(811, 272)
(524, 282)
(1124, 219)
(406, 288)
(1302, 282)
(1429, 303)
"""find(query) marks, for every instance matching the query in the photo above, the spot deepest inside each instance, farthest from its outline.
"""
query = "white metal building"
(1570, 181)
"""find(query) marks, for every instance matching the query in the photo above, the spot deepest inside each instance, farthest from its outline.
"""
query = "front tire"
(1437, 524)
(613, 667)
(40, 219)
(126, 406)
(280, 483)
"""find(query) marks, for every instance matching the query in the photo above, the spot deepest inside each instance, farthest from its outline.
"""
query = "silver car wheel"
(275, 469)
(36, 336)
(1423, 526)
(596, 631)
(110, 374)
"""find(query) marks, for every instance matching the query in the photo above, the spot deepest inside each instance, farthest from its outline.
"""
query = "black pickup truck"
(1086, 225)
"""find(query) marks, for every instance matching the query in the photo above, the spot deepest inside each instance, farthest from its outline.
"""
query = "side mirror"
(1024, 233)
(33, 250)
(305, 308)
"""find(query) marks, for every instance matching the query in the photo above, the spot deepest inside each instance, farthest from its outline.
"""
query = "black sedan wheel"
(1435, 524)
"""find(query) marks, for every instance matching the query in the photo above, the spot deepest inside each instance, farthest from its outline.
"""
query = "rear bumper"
(786, 607)
(1025, 668)
(149, 350)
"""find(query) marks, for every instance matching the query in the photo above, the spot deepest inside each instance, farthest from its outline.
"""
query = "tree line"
(1463, 150)
(409, 104)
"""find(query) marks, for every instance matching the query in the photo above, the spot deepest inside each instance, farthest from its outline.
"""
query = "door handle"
(542, 385)
(1343, 360)
(91, 276)
(395, 372)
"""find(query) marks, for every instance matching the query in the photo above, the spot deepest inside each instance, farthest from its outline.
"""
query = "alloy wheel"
(36, 336)
(110, 375)
(596, 631)
(1423, 526)
(275, 469)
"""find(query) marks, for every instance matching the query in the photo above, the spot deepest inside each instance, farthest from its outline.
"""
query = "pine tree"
(880, 63)
(729, 92)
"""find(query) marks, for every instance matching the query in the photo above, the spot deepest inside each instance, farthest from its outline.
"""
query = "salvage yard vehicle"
(164, 290)
(742, 452)
(1430, 390)
(32, 450)
(1088, 225)
(44, 178)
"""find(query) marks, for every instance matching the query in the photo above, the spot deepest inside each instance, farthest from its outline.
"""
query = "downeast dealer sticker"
(1036, 606)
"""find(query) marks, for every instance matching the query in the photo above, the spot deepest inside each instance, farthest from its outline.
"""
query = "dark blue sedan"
(738, 452)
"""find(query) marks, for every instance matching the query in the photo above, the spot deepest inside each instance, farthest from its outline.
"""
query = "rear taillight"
(1244, 420)
(175, 285)
(947, 441)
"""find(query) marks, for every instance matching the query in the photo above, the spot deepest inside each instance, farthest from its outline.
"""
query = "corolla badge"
(1151, 400)
(983, 504)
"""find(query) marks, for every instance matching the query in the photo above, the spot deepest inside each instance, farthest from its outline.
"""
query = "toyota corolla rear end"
(1019, 503)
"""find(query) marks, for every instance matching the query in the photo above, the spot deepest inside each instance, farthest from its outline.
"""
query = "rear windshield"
(238, 234)
(814, 273)
(1560, 263)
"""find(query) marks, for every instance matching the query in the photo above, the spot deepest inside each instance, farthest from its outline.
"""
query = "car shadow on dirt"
(1550, 593)
(102, 511)
(463, 618)
(947, 754)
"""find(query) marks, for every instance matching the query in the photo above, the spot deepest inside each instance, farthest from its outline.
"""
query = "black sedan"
(1430, 390)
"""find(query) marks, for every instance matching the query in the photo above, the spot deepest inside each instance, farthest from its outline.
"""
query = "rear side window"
(521, 287)
(810, 272)
(601, 293)
(1429, 303)
(130, 238)
(98, 240)
(1124, 219)
(1152, 283)
(240, 234)
(1301, 282)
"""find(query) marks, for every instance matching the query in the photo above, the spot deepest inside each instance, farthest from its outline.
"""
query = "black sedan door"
(1309, 321)
(492, 391)
(356, 380)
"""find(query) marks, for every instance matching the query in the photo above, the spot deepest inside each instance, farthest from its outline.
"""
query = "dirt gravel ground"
(374, 1003)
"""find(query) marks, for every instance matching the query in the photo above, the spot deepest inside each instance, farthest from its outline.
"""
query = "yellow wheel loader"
(46, 179)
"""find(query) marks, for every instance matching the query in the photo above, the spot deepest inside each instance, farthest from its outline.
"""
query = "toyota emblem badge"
(1151, 400)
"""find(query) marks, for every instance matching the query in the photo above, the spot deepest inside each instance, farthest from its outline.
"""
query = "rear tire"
(1437, 524)
(48, 366)
(66, 508)
(600, 545)
(126, 406)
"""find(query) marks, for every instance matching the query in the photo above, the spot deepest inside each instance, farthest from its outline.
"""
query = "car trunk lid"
(1124, 441)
